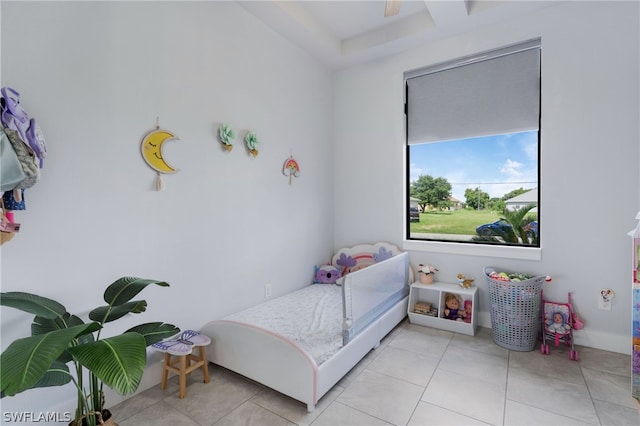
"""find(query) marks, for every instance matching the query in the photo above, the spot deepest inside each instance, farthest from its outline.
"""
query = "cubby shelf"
(434, 295)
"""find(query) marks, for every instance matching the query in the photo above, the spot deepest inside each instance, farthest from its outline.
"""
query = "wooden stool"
(186, 362)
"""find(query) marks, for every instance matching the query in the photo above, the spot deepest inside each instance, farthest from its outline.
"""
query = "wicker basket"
(515, 311)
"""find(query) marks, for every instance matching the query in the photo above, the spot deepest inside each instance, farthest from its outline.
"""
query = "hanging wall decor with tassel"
(151, 149)
(291, 168)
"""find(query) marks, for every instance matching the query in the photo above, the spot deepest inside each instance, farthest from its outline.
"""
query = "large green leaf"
(126, 288)
(33, 304)
(104, 314)
(117, 361)
(154, 332)
(56, 375)
(26, 360)
(43, 325)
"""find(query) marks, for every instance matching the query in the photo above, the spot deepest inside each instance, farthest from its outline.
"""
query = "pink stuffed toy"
(468, 310)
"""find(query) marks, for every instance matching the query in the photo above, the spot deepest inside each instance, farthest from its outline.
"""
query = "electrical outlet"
(605, 298)
(267, 290)
(604, 305)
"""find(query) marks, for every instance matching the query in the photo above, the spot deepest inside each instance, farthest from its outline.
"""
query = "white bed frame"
(281, 364)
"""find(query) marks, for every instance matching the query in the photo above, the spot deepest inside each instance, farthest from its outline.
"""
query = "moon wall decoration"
(151, 148)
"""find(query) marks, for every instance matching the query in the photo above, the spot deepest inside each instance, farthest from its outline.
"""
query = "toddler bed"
(301, 344)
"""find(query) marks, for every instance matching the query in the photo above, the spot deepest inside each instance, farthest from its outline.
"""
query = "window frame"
(473, 248)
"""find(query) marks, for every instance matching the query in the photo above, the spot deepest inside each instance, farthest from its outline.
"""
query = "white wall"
(590, 190)
(96, 75)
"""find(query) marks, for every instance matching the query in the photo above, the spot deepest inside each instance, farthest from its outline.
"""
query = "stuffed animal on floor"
(327, 274)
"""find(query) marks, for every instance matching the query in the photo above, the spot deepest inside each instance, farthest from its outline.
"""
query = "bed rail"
(369, 292)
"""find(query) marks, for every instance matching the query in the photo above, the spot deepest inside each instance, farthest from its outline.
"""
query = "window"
(473, 145)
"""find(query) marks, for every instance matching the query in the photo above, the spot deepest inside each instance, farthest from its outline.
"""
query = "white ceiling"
(341, 33)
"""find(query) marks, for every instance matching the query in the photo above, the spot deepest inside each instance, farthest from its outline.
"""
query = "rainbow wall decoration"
(291, 168)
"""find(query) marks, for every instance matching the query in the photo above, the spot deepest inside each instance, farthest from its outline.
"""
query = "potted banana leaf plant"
(60, 340)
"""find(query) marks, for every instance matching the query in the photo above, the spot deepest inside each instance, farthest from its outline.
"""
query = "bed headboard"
(351, 259)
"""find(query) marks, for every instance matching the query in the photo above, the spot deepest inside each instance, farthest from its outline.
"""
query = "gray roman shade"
(491, 93)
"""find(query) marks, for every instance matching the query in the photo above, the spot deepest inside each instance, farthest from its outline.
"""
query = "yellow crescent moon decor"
(151, 149)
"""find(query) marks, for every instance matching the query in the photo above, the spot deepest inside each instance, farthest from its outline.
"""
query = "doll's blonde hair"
(450, 296)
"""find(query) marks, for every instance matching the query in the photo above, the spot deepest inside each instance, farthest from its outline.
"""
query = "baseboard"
(585, 337)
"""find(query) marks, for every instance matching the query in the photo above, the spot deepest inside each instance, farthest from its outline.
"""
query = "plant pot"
(104, 419)
(426, 278)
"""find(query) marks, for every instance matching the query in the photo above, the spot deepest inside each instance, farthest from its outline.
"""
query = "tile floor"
(418, 376)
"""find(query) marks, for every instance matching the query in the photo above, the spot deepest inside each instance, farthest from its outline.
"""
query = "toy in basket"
(514, 300)
(558, 323)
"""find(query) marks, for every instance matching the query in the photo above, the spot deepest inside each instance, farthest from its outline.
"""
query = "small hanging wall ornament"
(291, 168)
(252, 142)
(226, 135)
(151, 149)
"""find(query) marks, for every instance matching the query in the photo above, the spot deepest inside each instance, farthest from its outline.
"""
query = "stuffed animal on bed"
(327, 274)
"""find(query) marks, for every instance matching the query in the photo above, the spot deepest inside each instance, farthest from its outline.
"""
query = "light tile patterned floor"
(418, 376)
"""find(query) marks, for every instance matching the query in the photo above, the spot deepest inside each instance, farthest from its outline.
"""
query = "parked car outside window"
(414, 214)
(500, 227)
(531, 229)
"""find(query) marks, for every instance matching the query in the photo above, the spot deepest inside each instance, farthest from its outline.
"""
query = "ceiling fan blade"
(391, 8)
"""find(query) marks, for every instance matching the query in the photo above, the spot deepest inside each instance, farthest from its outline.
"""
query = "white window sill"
(507, 252)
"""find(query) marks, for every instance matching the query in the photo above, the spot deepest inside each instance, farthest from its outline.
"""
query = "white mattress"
(310, 317)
